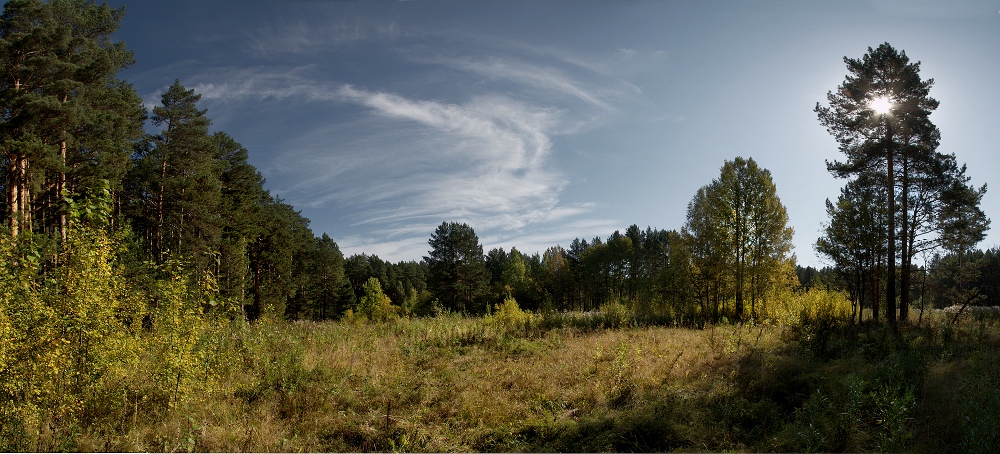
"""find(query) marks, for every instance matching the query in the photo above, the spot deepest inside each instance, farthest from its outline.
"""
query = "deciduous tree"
(737, 228)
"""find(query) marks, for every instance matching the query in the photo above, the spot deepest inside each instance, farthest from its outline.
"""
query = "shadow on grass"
(828, 387)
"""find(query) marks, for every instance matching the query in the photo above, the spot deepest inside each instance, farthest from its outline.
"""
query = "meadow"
(517, 381)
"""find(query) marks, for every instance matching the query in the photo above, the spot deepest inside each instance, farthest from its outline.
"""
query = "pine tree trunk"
(890, 283)
(13, 196)
(907, 252)
(159, 209)
(62, 187)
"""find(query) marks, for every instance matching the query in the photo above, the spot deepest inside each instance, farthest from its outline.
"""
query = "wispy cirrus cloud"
(401, 165)
(389, 164)
(539, 77)
(482, 161)
(303, 38)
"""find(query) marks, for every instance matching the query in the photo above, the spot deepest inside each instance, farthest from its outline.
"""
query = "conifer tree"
(179, 177)
(880, 118)
(456, 267)
(276, 258)
(242, 194)
(64, 110)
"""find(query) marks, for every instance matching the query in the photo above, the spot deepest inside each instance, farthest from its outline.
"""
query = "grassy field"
(571, 382)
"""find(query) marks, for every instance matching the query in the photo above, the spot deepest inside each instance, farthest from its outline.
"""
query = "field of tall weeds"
(518, 381)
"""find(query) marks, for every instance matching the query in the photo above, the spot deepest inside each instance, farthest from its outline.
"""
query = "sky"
(537, 122)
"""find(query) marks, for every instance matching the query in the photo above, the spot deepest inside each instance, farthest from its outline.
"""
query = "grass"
(529, 383)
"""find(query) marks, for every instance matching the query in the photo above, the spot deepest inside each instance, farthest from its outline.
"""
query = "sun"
(881, 105)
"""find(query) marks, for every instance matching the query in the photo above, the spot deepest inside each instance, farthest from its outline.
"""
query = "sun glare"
(881, 105)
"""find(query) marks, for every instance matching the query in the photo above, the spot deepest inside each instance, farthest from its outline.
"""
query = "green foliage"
(456, 267)
(71, 332)
(374, 305)
(177, 324)
(67, 120)
(739, 239)
(77, 331)
(615, 315)
(321, 291)
(508, 319)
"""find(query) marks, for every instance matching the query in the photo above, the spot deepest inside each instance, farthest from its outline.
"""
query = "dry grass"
(461, 384)
(439, 384)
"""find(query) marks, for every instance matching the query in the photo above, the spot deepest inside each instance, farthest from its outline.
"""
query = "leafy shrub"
(615, 315)
(509, 319)
(375, 305)
(70, 330)
(793, 307)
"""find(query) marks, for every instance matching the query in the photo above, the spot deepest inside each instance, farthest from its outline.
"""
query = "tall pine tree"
(456, 268)
(64, 111)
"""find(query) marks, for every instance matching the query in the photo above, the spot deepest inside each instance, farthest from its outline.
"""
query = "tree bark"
(61, 188)
(890, 284)
(906, 252)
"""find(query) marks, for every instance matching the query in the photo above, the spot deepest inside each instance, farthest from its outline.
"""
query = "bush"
(375, 305)
(792, 307)
(508, 319)
(70, 332)
(615, 315)
(86, 333)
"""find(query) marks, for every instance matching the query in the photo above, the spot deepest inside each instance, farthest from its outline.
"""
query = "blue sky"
(539, 122)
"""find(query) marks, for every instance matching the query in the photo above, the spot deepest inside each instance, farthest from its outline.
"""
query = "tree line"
(726, 262)
(71, 128)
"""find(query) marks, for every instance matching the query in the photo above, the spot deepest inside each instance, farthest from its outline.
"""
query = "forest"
(155, 296)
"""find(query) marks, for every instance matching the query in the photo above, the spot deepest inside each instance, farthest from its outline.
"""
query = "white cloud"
(545, 78)
(402, 165)
(409, 248)
(393, 167)
(483, 161)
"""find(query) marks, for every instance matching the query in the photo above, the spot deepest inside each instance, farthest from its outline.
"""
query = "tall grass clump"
(980, 406)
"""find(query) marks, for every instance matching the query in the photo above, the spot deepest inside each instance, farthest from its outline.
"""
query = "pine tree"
(178, 173)
(242, 194)
(64, 110)
(456, 267)
(853, 240)
(276, 258)
(323, 282)
(880, 118)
